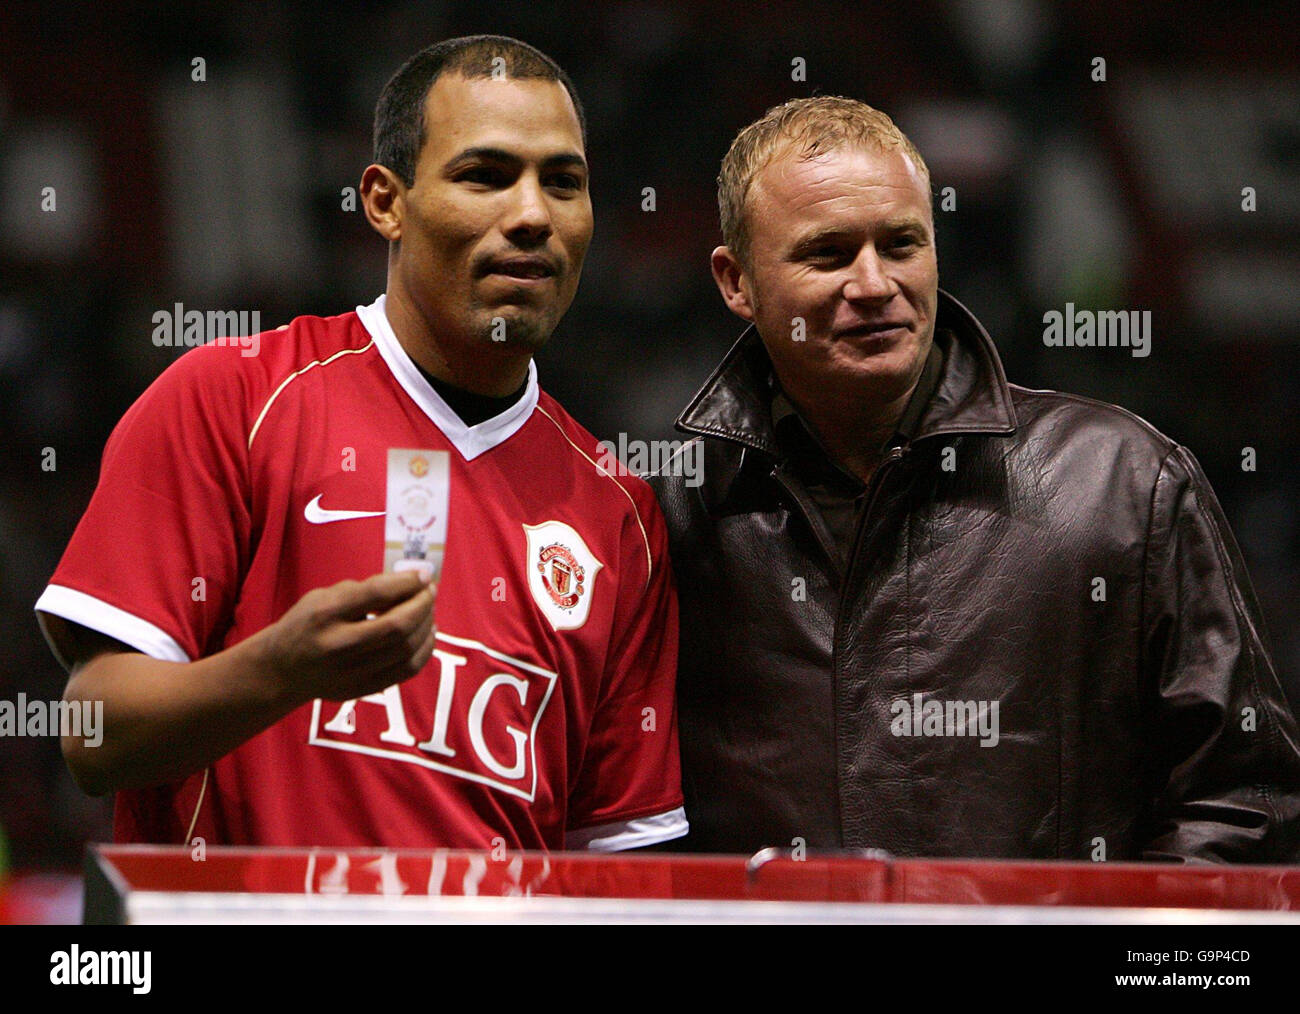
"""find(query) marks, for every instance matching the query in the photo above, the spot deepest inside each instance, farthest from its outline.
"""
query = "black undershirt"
(470, 407)
(838, 494)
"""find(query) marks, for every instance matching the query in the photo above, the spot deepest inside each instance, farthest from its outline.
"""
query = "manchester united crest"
(561, 573)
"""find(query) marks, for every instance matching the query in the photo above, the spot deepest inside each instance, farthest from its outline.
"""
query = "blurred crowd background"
(1122, 193)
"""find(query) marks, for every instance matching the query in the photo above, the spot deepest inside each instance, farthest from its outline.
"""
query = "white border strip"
(281, 909)
(111, 621)
(628, 834)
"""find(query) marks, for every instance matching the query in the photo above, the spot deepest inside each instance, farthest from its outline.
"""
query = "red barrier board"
(151, 884)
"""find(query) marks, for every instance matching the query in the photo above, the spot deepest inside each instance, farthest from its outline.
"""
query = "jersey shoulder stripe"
(294, 376)
(301, 346)
(550, 409)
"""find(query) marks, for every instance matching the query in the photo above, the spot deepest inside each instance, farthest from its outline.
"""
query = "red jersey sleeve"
(155, 561)
(628, 793)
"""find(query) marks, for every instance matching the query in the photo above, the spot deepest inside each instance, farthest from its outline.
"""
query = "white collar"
(471, 441)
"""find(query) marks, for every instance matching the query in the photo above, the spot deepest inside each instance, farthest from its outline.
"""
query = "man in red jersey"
(265, 678)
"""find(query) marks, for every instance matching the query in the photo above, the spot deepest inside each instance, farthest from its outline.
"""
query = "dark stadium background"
(226, 194)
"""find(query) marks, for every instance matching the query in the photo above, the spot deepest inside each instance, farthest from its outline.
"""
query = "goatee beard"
(530, 332)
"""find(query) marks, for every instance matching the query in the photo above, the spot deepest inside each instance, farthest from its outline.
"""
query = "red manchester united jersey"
(238, 483)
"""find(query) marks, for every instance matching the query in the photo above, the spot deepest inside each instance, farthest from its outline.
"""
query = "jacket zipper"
(892, 457)
(895, 455)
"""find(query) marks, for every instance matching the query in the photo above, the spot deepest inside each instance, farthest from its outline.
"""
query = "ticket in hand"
(415, 512)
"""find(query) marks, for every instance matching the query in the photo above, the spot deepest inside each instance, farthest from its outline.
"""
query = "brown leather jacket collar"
(972, 397)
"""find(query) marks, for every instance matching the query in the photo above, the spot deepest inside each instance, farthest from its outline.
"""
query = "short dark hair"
(399, 114)
(811, 127)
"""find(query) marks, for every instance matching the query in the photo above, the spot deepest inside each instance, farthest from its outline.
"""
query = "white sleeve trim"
(629, 834)
(116, 623)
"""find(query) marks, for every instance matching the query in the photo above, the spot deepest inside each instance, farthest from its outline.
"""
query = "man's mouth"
(877, 329)
(523, 269)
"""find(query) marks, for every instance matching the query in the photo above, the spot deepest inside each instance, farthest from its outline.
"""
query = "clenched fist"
(353, 638)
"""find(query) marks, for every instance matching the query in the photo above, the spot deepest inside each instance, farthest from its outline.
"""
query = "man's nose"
(530, 213)
(869, 278)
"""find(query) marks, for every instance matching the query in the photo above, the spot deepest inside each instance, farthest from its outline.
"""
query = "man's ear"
(383, 196)
(732, 282)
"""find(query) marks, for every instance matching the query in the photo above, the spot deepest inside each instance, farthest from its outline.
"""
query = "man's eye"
(826, 254)
(485, 175)
(565, 181)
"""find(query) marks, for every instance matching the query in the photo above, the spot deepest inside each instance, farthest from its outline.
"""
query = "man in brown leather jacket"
(924, 610)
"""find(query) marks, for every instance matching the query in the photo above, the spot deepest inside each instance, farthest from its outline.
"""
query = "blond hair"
(812, 127)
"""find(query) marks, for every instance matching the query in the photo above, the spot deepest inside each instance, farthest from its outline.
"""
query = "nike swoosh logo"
(318, 515)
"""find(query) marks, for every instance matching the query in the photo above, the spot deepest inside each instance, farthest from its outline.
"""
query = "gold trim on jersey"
(189, 835)
(649, 558)
(293, 376)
